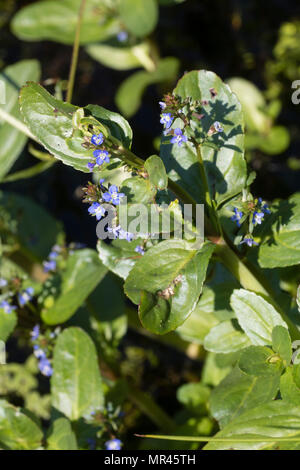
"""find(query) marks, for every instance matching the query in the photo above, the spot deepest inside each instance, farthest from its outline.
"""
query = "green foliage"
(139, 17)
(13, 141)
(65, 293)
(75, 365)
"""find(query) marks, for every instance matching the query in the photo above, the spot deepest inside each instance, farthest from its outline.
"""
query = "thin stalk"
(74, 59)
(17, 124)
(219, 439)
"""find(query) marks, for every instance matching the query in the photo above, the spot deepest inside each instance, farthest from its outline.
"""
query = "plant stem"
(17, 124)
(74, 60)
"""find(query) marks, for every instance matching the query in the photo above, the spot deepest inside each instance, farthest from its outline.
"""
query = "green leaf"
(76, 386)
(129, 95)
(36, 230)
(168, 264)
(239, 392)
(226, 167)
(63, 295)
(298, 298)
(281, 343)
(289, 390)
(12, 140)
(139, 17)
(225, 338)
(157, 172)
(50, 120)
(118, 126)
(120, 58)
(282, 246)
(255, 360)
(8, 322)
(17, 431)
(256, 316)
(57, 20)
(61, 436)
(269, 420)
(276, 141)
(119, 256)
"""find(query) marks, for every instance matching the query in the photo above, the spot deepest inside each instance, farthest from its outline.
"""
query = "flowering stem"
(74, 60)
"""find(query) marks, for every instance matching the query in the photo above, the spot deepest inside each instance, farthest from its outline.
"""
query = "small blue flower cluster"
(113, 444)
(167, 120)
(100, 156)
(44, 363)
(256, 212)
(51, 263)
(23, 296)
(7, 307)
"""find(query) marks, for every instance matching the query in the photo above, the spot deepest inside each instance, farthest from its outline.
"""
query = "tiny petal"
(97, 139)
(3, 282)
(113, 444)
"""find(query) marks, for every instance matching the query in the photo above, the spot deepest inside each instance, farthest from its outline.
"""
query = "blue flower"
(166, 119)
(114, 231)
(45, 367)
(38, 352)
(122, 36)
(112, 195)
(25, 296)
(3, 282)
(264, 206)
(237, 216)
(258, 217)
(218, 127)
(49, 266)
(53, 255)
(162, 105)
(7, 307)
(139, 249)
(97, 210)
(35, 333)
(123, 235)
(91, 166)
(97, 139)
(113, 444)
(101, 157)
(178, 138)
(249, 241)
(101, 181)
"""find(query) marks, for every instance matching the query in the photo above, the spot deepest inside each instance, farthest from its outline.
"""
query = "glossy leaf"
(157, 172)
(225, 338)
(56, 20)
(12, 140)
(256, 360)
(226, 167)
(289, 390)
(239, 392)
(17, 431)
(76, 387)
(281, 343)
(282, 244)
(61, 436)
(269, 420)
(256, 316)
(119, 256)
(63, 295)
(156, 271)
